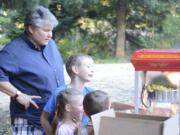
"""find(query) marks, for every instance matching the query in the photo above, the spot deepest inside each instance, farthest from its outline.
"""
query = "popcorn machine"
(157, 77)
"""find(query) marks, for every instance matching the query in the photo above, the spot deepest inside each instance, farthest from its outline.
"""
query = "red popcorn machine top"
(156, 60)
(157, 78)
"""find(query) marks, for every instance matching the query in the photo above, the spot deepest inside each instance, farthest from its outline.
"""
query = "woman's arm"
(24, 99)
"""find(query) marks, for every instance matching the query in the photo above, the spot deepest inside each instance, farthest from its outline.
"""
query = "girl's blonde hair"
(65, 97)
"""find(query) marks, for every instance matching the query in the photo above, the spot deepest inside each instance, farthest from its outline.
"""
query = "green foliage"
(152, 3)
(4, 40)
(171, 27)
(97, 44)
(5, 23)
(172, 24)
(15, 13)
(69, 13)
(170, 36)
(24, 5)
(71, 44)
(125, 59)
(101, 46)
(157, 18)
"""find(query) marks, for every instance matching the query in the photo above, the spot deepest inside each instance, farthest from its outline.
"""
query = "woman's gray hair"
(40, 17)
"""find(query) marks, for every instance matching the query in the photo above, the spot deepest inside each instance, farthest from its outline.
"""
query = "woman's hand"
(27, 100)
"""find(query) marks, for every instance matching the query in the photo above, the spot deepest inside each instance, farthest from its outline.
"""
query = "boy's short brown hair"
(75, 60)
(95, 102)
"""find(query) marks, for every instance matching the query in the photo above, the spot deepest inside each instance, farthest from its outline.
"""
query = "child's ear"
(75, 69)
(68, 107)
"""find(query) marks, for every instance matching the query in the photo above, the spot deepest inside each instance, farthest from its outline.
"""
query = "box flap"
(171, 126)
(129, 126)
(97, 117)
(136, 124)
(140, 116)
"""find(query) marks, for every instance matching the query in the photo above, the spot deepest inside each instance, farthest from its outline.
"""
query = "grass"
(4, 122)
(125, 59)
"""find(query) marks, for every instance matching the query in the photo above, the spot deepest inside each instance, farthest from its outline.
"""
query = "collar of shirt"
(32, 44)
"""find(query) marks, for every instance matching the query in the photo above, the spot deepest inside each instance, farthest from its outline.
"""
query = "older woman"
(30, 68)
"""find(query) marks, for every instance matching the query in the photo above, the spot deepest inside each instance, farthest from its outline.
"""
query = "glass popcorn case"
(157, 79)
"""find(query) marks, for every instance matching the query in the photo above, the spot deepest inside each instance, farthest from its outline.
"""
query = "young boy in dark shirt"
(94, 102)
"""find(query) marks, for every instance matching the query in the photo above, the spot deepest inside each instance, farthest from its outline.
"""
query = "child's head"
(80, 65)
(69, 104)
(95, 102)
(69, 107)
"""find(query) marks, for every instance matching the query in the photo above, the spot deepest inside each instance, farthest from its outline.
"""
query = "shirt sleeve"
(8, 65)
(50, 105)
(86, 90)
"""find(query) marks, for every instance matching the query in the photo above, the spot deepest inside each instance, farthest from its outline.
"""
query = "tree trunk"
(121, 26)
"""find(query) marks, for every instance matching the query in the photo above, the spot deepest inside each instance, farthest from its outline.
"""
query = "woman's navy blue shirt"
(32, 71)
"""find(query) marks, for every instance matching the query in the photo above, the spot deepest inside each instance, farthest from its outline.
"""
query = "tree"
(109, 23)
(16, 11)
(121, 27)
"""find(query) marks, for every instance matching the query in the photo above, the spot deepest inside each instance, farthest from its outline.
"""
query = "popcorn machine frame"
(153, 60)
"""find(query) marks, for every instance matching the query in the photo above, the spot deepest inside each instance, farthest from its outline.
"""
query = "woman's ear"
(30, 29)
(75, 69)
(68, 107)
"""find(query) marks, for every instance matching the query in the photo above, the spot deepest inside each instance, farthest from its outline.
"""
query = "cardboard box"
(136, 124)
(96, 118)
